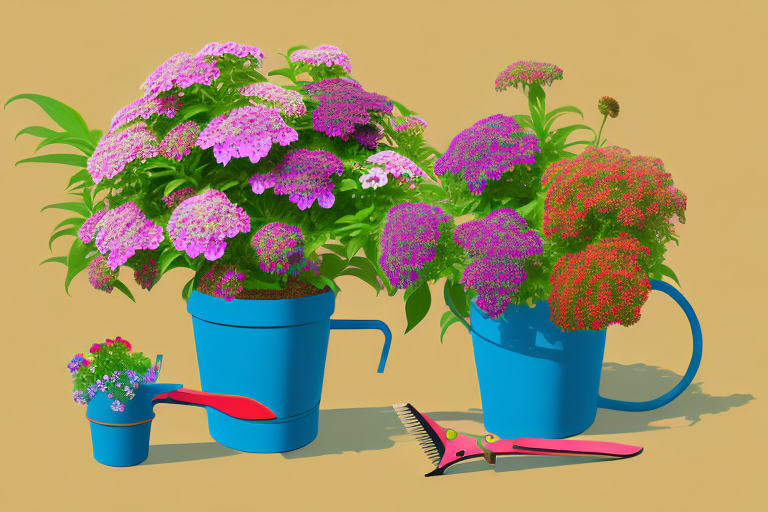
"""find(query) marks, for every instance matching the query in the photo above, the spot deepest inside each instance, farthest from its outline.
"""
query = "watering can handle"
(693, 366)
(368, 324)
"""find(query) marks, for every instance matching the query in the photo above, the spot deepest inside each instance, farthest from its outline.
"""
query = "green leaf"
(404, 111)
(585, 142)
(81, 176)
(166, 258)
(192, 111)
(354, 245)
(459, 297)
(87, 200)
(228, 185)
(352, 227)
(447, 320)
(346, 219)
(84, 145)
(56, 259)
(59, 234)
(63, 115)
(72, 221)
(319, 282)
(338, 249)
(332, 265)
(286, 72)
(560, 111)
(187, 290)
(363, 214)
(173, 185)
(119, 285)
(66, 159)
(37, 131)
(564, 132)
(96, 136)
(417, 306)
(364, 264)
(348, 184)
(72, 207)
(76, 262)
(666, 271)
(365, 276)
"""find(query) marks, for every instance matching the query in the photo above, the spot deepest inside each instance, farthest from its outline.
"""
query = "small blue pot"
(121, 439)
(273, 351)
(538, 381)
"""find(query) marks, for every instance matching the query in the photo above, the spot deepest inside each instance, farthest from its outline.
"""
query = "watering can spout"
(152, 390)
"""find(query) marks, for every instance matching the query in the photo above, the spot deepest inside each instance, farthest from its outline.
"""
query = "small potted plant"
(559, 247)
(265, 192)
(118, 385)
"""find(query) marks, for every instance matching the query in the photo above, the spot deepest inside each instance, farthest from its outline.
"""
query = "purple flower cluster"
(180, 140)
(119, 148)
(200, 224)
(223, 281)
(124, 230)
(100, 275)
(144, 107)
(487, 150)
(246, 131)
(343, 104)
(151, 374)
(397, 165)
(289, 102)
(369, 135)
(279, 247)
(526, 72)
(323, 55)
(79, 397)
(238, 50)
(117, 406)
(303, 176)
(177, 197)
(499, 244)
(412, 124)
(77, 362)
(409, 241)
(182, 70)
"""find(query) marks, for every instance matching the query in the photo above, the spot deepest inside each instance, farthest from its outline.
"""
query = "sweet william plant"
(262, 190)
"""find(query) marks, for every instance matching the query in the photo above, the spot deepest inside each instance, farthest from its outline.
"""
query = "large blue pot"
(539, 381)
(274, 352)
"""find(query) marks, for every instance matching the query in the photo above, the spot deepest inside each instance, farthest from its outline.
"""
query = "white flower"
(376, 177)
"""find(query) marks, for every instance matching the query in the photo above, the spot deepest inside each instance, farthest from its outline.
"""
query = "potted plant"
(118, 385)
(558, 247)
(266, 192)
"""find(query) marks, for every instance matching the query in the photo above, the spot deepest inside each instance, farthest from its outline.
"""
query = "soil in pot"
(295, 289)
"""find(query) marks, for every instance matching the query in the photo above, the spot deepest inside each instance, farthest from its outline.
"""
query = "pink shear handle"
(576, 447)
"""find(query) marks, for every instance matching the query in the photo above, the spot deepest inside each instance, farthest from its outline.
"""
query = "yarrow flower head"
(376, 177)
(86, 231)
(200, 224)
(223, 281)
(289, 102)
(177, 197)
(526, 73)
(412, 124)
(368, 135)
(146, 272)
(124, 230)
(144, 107)
(182, 70)
(101, 276)
(611, 185)
(117, 149)
(487, 150)
(238, 50)
(323, 55)
(303, 175)
(279, 247)
(494, 281)
(180, 140)
(608, 106)
(247, 131)
(600, 286)
(397, 165)
(409, 242)
(343, 104)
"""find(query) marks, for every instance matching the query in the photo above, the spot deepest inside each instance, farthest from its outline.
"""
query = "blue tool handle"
(368, 324)
(693, 366)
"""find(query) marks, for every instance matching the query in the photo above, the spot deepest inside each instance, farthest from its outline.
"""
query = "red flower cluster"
(600, 286)
(611, 186)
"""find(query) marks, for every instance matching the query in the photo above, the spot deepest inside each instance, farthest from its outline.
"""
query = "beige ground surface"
(691, 79)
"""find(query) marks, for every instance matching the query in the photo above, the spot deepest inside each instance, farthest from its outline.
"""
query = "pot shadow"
(522, 463)
(170, 453)
(372, 428)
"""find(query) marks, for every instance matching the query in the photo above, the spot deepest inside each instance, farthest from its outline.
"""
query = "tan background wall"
(691, 79)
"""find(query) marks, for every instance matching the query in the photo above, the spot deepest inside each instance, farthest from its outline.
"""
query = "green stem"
(597, 140)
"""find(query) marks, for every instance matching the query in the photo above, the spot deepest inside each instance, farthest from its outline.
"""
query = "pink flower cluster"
(180, 140)
(487, 150)
(144, 107)
(397, 165)
(86, 231)
(182, 70)
(121, 232)
(246, 131)
(177, 197)
(323, 55)
(101, 276)
(527, 72)
(119, 148)
(408, 123)
(200, 224)
(146, 273)
(289, 102)
(409, 242)
(222, 281)
(238, 50)
(303, 176)
(343, 104)
(279, 247)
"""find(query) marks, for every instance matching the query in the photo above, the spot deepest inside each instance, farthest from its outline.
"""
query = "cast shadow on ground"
(169, 453)
(372, 428)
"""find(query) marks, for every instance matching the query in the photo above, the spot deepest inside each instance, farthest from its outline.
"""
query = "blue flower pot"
(274, 352)
(121, 439)
(538, 381)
